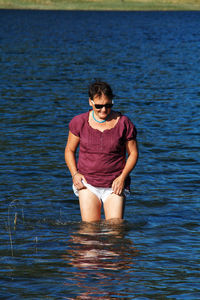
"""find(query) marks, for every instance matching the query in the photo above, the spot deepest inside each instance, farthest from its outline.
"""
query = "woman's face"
(103, 112)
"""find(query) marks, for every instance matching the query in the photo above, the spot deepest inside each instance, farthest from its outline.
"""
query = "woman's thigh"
(114, 207)
(90, 206)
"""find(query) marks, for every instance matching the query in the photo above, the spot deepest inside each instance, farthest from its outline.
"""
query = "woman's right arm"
(70, 158)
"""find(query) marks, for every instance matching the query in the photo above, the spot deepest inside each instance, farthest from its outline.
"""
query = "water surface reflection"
(97, 252)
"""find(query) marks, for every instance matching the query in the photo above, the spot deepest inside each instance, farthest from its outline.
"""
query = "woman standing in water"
(101, 175)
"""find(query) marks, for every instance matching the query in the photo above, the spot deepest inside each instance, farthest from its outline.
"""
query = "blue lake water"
(48, 59)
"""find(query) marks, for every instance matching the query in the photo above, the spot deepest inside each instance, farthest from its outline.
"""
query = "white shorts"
(101, 192)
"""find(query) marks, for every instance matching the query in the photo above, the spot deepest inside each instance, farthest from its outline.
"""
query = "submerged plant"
(11, 205)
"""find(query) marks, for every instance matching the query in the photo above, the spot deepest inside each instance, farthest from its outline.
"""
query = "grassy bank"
(102, 4)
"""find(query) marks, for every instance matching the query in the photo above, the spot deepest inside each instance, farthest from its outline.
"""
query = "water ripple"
(48, 59)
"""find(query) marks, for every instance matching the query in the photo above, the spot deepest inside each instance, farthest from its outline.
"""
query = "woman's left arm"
(132, 150)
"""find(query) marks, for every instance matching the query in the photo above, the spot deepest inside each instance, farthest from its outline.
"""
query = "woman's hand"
(78, 181)
(118, 185)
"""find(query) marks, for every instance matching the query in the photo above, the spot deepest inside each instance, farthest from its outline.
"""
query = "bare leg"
(114, 207)
(90, 206)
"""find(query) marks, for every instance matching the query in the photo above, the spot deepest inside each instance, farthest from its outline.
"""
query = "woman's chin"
(103, 116)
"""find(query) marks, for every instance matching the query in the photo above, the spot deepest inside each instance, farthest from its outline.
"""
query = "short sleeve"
(131, 131)
(75, 125)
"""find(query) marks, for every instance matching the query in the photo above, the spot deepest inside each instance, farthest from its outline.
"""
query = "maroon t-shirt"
(102, 155)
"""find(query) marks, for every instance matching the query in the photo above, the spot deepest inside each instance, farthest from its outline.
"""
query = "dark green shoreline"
(115, 5)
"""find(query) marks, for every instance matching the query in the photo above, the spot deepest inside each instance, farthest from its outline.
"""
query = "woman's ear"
(90, 103)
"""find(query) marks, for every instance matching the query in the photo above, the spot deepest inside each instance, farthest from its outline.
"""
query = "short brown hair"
(98, 88)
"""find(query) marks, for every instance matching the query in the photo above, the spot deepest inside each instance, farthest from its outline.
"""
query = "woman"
(102, 172)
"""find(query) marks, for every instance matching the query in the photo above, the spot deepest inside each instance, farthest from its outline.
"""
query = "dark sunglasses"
(99, 106)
